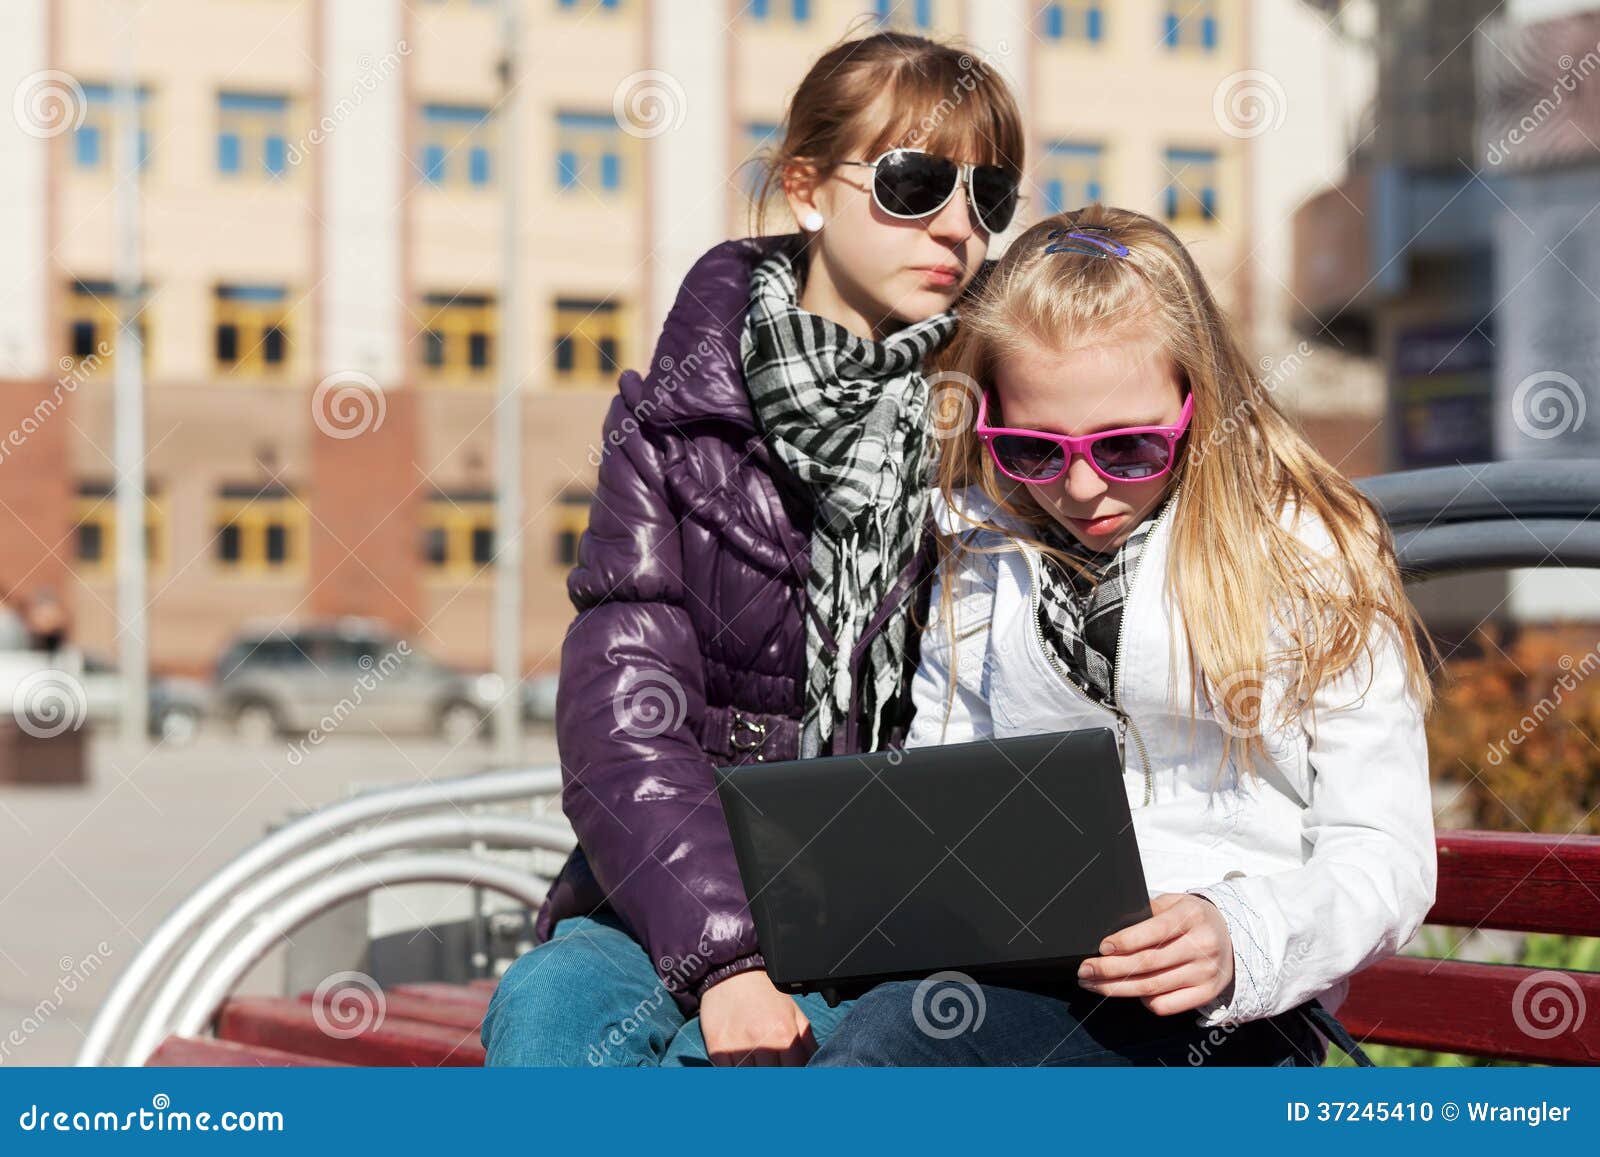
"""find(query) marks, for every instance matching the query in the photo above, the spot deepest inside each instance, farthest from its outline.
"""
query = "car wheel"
(460, 722)
(178, 726)
(255, 723)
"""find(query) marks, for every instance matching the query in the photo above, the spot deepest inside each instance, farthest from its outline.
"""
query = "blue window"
(906, 13)
(1071, 175)
(760, 138)
(590, 152)
(457, 146)
(799, 10)
(433, 163)
(1190, 24)
(86, 147)
(91, 140)
(1073, 20)
(252, 134)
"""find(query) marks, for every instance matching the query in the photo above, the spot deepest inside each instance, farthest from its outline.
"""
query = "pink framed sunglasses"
(1130, 454)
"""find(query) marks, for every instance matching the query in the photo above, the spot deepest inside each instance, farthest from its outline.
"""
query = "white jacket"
(1321, 863)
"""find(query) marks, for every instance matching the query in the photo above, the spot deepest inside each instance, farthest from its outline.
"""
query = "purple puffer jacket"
(688, 651)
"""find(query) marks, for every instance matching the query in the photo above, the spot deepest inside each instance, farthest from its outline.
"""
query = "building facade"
(322, 190)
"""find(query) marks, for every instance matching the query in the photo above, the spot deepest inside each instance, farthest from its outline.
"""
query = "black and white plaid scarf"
(1080, 615)
(849, 417)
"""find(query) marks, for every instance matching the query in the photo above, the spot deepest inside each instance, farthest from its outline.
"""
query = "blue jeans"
(591, 996)
(959, 1022)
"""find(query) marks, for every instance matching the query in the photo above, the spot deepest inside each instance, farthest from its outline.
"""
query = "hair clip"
(1105, 246)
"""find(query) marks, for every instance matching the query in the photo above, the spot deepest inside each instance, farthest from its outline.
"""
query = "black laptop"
(1009, 860)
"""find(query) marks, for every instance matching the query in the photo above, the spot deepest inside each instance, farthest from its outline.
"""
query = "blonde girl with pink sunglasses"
(1137, 537)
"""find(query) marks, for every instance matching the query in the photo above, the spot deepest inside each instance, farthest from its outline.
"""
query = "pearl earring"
(811, 222)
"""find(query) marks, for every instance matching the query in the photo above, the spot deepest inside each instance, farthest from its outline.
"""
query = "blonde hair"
(1243, 465)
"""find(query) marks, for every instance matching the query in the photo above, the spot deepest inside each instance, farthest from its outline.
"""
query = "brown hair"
(939, 97)
(1243, 468)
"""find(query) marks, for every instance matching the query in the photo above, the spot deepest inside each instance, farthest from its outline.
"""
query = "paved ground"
(87, 873)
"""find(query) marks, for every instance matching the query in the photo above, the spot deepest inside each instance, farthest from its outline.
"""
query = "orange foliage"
(1517, 728)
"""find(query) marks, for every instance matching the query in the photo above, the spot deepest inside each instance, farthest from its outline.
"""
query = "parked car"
(351, 673)
(539, 699)
(178, 706)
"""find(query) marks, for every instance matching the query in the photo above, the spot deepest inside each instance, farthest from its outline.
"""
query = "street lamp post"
(128, 406)
(508, 413)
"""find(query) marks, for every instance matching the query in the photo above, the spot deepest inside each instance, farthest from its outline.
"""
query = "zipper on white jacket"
(1124, 720)
(1121, 716)
(1122, 636)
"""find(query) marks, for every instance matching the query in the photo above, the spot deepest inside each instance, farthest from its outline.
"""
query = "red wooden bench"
(420, 1024)
(1517, 883)
(1526, 883)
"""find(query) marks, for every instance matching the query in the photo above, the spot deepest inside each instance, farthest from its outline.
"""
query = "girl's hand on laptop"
(1175, 961)
(746, 1021)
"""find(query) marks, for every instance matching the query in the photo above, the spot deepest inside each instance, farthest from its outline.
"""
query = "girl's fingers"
(1173, 914)
(1181, 1000)
(1163, 956)
(1190, 975)
(1158, 929)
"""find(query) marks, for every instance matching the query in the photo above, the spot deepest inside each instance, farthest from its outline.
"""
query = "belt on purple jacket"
(738, 735)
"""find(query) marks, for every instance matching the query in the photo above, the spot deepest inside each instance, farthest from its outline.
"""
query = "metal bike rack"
(159, 977)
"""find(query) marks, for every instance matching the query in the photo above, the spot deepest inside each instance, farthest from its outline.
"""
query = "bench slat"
(289, 1025)
(1478, 1009)
(440, 990)
(1519, 883)
(189, 1052)
(407, 1006)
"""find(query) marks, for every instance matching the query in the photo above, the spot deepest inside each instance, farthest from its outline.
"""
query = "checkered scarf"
(849, 418)
(1080, 615)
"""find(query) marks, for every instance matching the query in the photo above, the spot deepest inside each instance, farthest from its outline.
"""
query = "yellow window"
(458, 333)
(458, 534)
(91, 318)
(571, 520)
(252, 330)
(259, 531)
(95, 530)
(587, 341)
(1191, 192)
